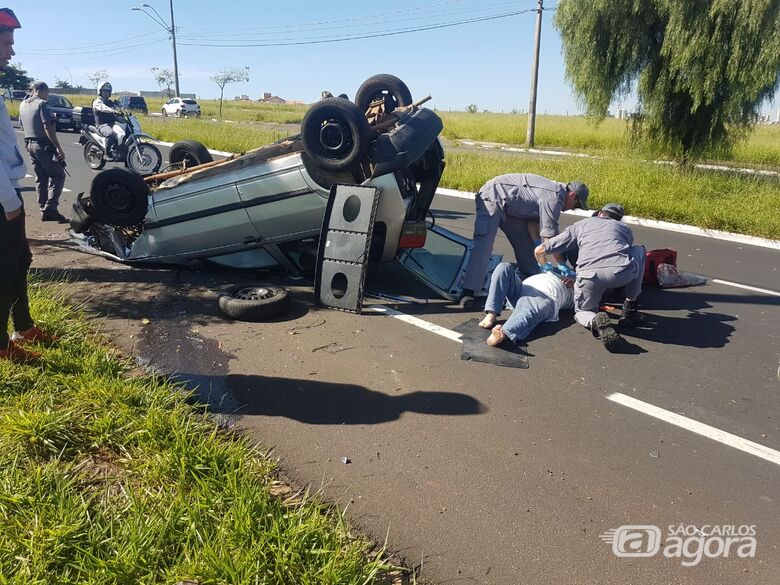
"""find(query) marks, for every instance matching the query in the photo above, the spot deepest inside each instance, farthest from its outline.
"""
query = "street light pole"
(175, 58)
(171, 31)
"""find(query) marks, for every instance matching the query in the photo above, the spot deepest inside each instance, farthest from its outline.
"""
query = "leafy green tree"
(700, 68)
(164, 78)
(14, 77)
(472, 108)
(62, 83)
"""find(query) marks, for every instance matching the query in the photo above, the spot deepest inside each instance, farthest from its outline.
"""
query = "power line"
(374, 21)
(90, 46)
(322, 40)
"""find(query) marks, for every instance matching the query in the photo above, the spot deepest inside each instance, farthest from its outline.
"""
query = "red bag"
(655, 257)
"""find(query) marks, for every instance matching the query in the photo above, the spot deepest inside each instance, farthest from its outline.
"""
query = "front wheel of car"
(254, 302)
(190, 152)
(335, 134)
(144, 159)
(389, 88)
(93, 156)
(119, 198)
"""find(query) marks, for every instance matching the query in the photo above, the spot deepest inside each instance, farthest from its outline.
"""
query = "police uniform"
(104, 109)
(607, 259)
(508, 202)
(49, 173)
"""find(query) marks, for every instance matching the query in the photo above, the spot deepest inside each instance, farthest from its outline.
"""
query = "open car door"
(441, 263)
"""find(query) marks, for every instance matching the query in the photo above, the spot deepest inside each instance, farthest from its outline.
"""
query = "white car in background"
(181, 107)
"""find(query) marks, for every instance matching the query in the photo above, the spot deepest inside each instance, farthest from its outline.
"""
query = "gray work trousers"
(49, 175)
(591, 285)
(486, 226)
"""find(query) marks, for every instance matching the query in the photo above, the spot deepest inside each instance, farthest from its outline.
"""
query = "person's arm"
(51, 132)
(8, 198)
(554, 245)
(549, 213)
(101, 106)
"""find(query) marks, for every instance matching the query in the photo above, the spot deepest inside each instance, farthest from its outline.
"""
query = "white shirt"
(552, 287)
(12, 168)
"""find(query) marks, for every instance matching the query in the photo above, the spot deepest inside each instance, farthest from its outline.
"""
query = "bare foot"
(497, 336)
(489, 321)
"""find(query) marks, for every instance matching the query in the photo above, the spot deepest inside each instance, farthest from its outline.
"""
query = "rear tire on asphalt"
(254, 302)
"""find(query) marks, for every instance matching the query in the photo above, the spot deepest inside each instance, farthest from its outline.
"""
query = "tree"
(62, 83)
(98, 77)
(14, 77)
(164, 78)
(227, 76)
(701, 69)
(472, 108)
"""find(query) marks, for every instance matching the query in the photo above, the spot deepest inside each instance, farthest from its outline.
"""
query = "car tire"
(394, 91)
(190, 151)
(255, 302)
(335, 134)
(90, 156)
(119, 197)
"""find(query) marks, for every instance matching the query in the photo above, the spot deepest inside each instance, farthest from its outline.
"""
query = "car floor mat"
(508, 354)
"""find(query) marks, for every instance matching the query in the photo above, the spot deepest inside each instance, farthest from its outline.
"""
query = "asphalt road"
(477, 473)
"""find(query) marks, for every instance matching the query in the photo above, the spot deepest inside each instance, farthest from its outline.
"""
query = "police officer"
(516, 203)
(607, 259)
(105, 110)
(40, 137)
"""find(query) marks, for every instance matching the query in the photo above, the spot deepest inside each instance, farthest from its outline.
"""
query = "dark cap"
(8, 20)
(581, 191)
(613, 210)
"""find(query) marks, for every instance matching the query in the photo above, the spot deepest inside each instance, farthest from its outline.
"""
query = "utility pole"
(175, 59)
(529, 137)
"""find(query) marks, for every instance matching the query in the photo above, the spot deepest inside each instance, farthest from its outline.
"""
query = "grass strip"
(709, 199)
(106, 478)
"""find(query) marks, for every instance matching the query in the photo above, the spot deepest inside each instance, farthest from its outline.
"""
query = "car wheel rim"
(334, 138)
(253, 294)
(119, 199)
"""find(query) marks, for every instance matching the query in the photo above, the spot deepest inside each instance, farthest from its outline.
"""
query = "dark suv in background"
(134, 103)
(62, 110)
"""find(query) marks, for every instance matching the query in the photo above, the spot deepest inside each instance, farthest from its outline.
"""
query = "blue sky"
(486, 62)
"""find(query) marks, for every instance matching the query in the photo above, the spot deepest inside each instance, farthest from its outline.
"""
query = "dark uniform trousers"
(49, 173)
(15, 260)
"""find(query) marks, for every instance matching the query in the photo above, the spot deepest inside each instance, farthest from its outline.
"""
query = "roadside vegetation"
(106, 478)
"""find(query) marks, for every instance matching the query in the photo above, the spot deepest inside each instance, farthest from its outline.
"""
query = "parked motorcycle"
(140, 157)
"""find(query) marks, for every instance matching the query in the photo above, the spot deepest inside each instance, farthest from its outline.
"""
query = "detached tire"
(191, 152)
(335, 134)
(119, 197)
(388, 87)
(254, 302)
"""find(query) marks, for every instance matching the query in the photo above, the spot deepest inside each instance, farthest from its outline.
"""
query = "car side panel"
(195, 220)
(280, 203)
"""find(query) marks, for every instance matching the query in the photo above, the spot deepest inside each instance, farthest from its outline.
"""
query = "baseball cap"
(582, 192)
(8, 20)
(614, 210)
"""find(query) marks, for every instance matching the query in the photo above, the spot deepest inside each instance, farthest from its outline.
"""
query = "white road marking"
(746, 287)
(699, 428)
(652, 223)
(422, 324)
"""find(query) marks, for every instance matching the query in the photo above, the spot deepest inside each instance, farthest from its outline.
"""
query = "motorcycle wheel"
(93, 156)
(144, 159)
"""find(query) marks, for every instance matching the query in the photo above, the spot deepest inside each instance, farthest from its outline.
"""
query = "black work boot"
(602, 328)
(53, 215)
(631, 314)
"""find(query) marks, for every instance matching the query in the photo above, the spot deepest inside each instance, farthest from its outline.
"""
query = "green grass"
(107, 479)
(216, 135)
(717, 200)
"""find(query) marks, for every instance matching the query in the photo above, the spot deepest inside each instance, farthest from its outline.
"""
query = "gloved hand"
(548, 267)
(565, 271)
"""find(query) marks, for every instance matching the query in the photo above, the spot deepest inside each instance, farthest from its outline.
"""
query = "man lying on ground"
(537, 299)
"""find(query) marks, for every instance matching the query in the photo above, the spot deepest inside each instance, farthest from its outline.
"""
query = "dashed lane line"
(698, 428)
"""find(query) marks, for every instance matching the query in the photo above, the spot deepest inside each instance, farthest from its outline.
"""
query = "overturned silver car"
(271, 206)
